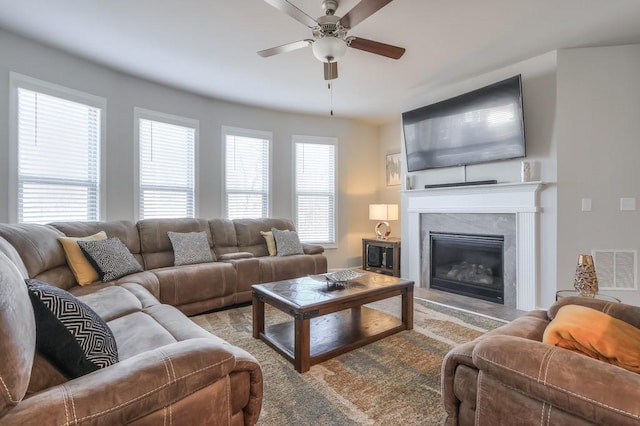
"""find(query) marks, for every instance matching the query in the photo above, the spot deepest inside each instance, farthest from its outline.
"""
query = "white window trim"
(247, 133)
(147, 114)
(21, 81)
(324, 140)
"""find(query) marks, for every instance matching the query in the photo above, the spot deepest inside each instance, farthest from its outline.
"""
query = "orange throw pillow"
(78, 263)
(596, 334)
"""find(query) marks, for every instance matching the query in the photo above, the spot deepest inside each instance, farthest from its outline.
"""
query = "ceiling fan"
(330, 40)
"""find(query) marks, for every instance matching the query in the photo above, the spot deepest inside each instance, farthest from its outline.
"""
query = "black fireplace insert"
(468, 264)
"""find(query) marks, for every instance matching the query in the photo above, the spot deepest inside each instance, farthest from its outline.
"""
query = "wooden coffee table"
(328, 321)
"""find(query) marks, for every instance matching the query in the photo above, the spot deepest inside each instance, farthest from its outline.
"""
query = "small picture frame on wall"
(393, 169)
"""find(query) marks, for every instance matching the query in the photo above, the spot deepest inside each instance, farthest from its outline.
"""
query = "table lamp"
(383, 212)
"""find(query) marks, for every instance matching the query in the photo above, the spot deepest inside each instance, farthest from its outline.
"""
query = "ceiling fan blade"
(294, 12)
(285, 48)
(393, 52)
(362, 11)
(330, 70)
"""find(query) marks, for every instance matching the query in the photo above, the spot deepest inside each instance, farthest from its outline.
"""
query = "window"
(56, 138)
(315, 189)
(166, 150)
(246, 173)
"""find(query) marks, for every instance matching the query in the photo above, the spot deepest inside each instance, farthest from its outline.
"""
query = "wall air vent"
(616, 269)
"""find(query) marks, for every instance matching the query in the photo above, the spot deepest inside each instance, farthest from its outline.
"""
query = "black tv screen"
(477, 127)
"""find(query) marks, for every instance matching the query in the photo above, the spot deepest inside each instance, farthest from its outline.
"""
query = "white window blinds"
(166, 169)
(58, 143)
(246, 174)
(315, 183)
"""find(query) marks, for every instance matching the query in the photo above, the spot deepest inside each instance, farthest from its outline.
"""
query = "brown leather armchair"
(509, 377)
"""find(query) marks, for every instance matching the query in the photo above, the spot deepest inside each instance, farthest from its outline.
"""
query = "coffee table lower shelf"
(334, 334)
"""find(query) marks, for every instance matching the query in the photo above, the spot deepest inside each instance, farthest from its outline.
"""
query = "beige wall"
(357, 180)
(582, 110)
(390, 136)
(598, 124)
(539, 97)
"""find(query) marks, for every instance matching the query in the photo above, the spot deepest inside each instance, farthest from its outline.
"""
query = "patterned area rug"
(395, 380)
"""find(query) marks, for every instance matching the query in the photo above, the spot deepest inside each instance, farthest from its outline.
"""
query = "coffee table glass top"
(311, 290)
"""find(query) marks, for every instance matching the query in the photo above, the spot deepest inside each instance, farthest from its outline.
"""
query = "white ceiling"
(209, 46)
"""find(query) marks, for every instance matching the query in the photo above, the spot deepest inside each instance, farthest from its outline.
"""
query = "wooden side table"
(381, 256)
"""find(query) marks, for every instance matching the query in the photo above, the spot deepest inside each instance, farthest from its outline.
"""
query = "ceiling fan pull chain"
(330, 85)
(331, 89)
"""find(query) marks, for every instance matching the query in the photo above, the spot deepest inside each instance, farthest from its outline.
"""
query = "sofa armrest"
(574, 383)
(530, 326)
(144, 384)
(312, 249)
(235, 256)
(247, 273)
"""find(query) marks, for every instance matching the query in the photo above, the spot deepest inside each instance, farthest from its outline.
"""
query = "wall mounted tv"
(481, 126)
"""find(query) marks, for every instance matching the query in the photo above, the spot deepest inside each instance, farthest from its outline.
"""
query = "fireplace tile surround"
(510, 209)
(473, 223)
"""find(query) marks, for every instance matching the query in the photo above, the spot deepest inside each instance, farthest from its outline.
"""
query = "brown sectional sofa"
(240, 250)
(170, 370)
(508, 376)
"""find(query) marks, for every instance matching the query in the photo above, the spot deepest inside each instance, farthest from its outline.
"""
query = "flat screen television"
(481, 126)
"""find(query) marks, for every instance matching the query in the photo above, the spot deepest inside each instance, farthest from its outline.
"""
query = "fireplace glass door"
(471, 265)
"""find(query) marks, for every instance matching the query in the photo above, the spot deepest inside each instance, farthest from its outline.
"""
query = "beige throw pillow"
(78, 263)
(271, 242)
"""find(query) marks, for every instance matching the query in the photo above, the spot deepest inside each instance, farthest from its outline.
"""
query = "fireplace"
(468, 264)
(508, 209)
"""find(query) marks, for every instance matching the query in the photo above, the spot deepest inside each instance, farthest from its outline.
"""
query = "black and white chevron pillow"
(69, 333)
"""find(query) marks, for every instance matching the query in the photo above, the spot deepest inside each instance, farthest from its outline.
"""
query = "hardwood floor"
(482, 307)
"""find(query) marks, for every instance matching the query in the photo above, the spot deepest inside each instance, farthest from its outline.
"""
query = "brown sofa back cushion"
(157, 251)
(249, 237)
(224, 236)
(123, 229)
(40, 251)
(14, 256)
(18, 331)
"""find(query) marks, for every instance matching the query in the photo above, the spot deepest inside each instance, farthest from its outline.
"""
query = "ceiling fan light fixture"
(329, 48)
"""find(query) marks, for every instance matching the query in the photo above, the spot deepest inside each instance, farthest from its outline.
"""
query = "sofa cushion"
(18, 336)
(287, 242)
(157, 250)
(10, 251)
(180, 285)
(278, 268)
(123, 229)
(110, 257)
(249, 237)
(40, 251)
(78, 263)
(190, 248)
(69, 333)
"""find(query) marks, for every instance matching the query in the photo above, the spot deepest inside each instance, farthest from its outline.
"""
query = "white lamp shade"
(383, 211)
(329, 48)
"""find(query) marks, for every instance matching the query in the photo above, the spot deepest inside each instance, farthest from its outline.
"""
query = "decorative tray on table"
(339, 279)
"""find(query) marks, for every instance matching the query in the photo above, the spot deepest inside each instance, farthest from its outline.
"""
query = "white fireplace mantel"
(518, 198)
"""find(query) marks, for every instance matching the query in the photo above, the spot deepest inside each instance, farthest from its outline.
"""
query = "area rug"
(393, 381)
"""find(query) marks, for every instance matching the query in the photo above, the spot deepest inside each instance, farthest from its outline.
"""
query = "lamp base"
(387, 230)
